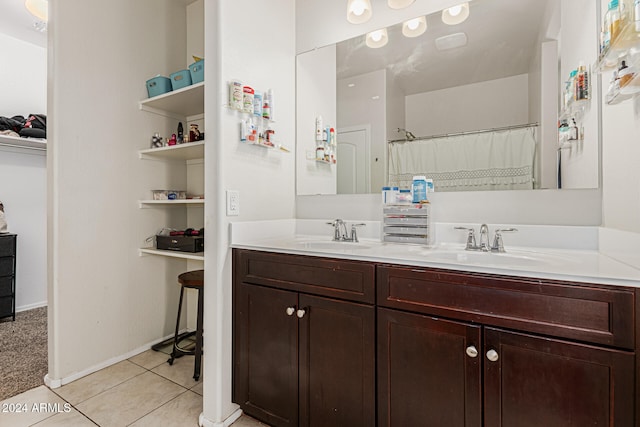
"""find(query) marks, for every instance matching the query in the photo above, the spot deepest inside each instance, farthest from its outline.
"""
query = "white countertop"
(580, 265)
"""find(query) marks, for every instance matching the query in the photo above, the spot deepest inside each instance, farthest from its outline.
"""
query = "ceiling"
(17, 22)
(502, 38)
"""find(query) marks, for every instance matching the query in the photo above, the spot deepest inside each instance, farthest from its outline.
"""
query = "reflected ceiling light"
(378, 38)
(456, 14)
(451, 41)
(399, 4)
(38, 8)
(414, 27)
(358, 11)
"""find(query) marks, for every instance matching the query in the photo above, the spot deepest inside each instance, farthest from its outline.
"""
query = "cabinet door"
(533, 381)
(266, 354)
(429, 371)
(337, 363)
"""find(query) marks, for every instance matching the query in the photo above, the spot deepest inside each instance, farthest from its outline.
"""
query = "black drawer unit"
(8, 275)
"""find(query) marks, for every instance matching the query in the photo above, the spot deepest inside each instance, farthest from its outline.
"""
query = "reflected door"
(353, 165)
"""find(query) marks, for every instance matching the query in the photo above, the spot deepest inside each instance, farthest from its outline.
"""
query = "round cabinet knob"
(472, 351)
(492, 355)
(290, 311)
(300, 313)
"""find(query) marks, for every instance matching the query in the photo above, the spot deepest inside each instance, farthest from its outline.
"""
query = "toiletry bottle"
(419, 188)
(269, 96)
(573, 130)
(266, 108)
(235, 95)
(257, 104)
(180, 139)
(247, 100)
(625, 74)
(319, 128)
(613, 20)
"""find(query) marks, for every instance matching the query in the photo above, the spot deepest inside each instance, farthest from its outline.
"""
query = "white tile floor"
(141, 391)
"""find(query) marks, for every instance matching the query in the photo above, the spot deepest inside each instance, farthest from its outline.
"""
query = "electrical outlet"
(233, 203)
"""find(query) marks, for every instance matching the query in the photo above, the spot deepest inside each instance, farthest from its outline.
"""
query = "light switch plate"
(233, 203)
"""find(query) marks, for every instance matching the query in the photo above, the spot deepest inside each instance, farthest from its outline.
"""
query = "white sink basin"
(513, 258)
(332, 245)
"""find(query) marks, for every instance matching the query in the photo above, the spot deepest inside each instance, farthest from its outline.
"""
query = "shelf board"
(186, 151)
(198, 256)
(18, 142)
(181, 202)
(627, 39)
(184, 102)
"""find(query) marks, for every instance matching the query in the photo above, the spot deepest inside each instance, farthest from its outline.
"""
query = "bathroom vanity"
(338, 341)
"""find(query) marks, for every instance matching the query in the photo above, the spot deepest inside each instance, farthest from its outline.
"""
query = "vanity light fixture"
(414, 27)
(399, 4)
(38, 8)
(377, 38)
(358, 11)
(456, 14)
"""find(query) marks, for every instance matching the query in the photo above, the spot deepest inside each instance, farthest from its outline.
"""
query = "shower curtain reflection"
(495, 159)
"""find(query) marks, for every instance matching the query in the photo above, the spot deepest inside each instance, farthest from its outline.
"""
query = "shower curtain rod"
(446, 135)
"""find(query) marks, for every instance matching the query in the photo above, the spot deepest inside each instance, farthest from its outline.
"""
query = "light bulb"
(455, 10)
(414, 27)
(413, 24)
(456, 14)
(377, 38)
(358, 11)
(358, 8)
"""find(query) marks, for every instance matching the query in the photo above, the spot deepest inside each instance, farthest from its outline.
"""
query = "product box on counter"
(180, 243)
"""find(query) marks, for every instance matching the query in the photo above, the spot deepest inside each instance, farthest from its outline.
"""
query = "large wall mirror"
(475, 105)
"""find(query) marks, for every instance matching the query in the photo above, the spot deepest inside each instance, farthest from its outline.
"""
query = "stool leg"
(175, 337)
(198, 352)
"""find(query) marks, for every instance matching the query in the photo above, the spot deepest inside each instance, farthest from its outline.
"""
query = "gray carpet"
(23, 352)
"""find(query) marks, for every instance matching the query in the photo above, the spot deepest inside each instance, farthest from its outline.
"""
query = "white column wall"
(264, 178)
(105, 300)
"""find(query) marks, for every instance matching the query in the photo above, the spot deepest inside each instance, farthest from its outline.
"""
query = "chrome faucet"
(484, 238)
(496, 246)
(340, 231)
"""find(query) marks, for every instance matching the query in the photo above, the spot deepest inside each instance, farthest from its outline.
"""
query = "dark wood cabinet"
(326, 342)
(526, 379)
(534, 381)
(426, 376)
(8, 275)
(303, 359)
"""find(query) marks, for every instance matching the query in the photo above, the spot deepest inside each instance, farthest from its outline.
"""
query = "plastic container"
(404, 196)
(180, 79)
(389, 195)
(158, 85)
(160, 194)
(197, 71)
(419, 188)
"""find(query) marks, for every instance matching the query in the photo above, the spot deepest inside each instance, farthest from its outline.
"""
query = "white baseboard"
(203, 422)
(55, 383)
(31, 306)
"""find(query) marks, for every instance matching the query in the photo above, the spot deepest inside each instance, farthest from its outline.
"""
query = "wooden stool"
(194, 280)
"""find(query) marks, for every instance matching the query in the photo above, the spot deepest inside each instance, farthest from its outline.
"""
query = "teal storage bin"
(180, 79)
(197, 71)
(158, 85)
